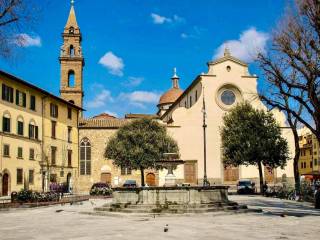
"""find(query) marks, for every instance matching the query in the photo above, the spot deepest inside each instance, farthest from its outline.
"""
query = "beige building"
(29, 117)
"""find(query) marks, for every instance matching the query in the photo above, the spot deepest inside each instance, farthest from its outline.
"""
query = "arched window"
(33, 130)
(85, 157)
(71, 79)
(6, 122)
(71, 51)
(71, 30)
(20, 126)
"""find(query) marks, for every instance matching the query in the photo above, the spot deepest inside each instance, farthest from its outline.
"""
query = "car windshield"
(245, 183)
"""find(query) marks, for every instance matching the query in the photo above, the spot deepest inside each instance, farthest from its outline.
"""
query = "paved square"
(274, 223)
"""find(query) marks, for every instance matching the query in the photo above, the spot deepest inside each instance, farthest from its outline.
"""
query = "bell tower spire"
(71, 61)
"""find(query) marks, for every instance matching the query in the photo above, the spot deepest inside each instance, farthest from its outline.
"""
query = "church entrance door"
(106, 178)
(151, 179)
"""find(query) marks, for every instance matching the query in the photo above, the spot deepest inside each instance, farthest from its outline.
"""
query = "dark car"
(130, 184)
(246, 187)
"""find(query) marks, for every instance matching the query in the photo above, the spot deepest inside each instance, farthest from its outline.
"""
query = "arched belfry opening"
(71, 51)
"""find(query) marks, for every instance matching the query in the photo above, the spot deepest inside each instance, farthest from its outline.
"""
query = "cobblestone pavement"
(274, 223)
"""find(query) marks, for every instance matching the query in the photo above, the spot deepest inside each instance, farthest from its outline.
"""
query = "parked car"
(246, 186)
(130, 184)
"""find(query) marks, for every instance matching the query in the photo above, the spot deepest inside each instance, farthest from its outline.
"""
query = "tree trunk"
(142, 176)
(296, 162)
(261, 177)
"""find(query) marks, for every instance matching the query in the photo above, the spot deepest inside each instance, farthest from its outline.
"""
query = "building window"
(310, 151)
(31, 154)
(125, 171)
(6, 124)
(53, 178)
(20, 153)
(20, 98)
(7, 93)
(53, 110)
(69, 158)
(33, 131)
(228, 97)
(32, 102)
(20, 128)
(301, 164)
(69, 134)
(71, 79)
(304, 165)
(315, 162)
(311, 164)
(31, 176)
(53, 155)
(85, 157)
(6, 150)
(69, 113)
(19, 176)
(53, 129)
(71, 51)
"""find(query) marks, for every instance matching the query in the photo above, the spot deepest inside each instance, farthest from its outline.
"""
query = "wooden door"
(231, 174)
(106, 178)
(151, 179)
(5, 184)
(190, 172)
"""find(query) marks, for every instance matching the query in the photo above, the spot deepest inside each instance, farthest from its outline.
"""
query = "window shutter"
(24, 100)
(36, 132)
(17, 97)
(3, 92)
(30, 131)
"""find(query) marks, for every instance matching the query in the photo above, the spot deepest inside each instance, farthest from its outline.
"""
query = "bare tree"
(292, 70)
(15, 17)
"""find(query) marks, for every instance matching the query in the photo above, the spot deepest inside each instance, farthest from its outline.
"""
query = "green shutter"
(17, 97)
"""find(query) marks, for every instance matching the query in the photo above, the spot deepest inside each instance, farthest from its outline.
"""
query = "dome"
(170, 96)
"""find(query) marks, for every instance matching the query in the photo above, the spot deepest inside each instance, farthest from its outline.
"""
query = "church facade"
(183, 112)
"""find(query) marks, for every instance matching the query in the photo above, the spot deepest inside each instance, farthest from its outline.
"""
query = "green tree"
(139, 145)
(252, 137)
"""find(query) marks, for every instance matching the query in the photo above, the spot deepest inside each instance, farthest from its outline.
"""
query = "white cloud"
(158, 19)
(113, 63)
(184, 35)
(247, 47)
(26, 40)
(133, 81)
(100, 99)
(140, 98)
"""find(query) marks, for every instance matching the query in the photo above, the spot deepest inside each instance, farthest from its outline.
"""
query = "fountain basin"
(188, 195)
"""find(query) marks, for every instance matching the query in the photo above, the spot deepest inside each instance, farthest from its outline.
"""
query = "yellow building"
(309, 160)
(38, 137)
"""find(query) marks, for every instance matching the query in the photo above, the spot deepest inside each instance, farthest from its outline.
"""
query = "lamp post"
(204, 115)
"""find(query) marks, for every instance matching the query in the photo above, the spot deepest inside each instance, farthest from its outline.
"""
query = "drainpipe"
(43, 177)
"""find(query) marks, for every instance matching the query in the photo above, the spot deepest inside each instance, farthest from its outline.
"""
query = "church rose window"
(228, 97)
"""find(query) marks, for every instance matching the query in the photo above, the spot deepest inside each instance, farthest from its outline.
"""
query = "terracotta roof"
(103, 116)
(102, 123)
(170, 96)
(139, 115)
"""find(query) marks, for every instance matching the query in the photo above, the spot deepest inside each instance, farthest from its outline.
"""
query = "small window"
(310, 152)
(53, 110)
(31, 176)
(228, 68)
(304, 165)
(6, 124)
(125, 171)
(31, 154)
(32, 102)
(20, 153)
(53, 155)
(20, 98)
(69, 113)
(19, 176)
(6, 150)
(69, 134)
(20, 128)
(71, 30)
(71, 79)
(7, 93)
(301, 165)
(53, 129)
(311, 164)
(53, 178)
(315, 162)
(69, 158)
(33, 131)
(71, 51)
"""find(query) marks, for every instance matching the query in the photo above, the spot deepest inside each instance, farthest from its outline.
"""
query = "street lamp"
(204, 115)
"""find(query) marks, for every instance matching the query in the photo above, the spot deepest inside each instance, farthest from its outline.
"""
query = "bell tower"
(71, 61)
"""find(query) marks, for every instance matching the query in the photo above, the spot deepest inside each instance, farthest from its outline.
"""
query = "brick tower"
(71, 61)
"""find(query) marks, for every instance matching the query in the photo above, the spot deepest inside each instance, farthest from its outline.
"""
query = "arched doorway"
(151, 179)
(5, 184)
(69, 183)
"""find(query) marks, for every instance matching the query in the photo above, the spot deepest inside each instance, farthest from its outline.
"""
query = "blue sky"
(141, 41)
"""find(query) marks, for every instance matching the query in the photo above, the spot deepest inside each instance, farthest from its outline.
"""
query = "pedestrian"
(317, 198)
